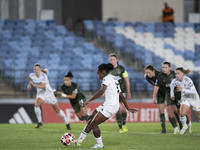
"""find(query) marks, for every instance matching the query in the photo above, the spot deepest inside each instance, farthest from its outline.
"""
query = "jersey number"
(117, 86)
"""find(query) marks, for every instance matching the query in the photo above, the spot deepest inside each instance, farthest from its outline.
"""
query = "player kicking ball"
(105, 111)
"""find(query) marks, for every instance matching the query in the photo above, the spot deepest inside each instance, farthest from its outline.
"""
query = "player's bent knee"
(182, 115)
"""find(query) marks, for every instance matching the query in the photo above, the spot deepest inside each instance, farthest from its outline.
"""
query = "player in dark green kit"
(123, 80)
(151, 75)
(72, 91)
(165, 78)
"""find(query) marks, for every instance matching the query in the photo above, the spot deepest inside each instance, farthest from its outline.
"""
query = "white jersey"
(112, 91)
(188, 92)
(42, 79)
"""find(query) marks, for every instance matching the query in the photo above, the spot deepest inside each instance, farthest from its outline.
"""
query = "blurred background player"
(177, 100)
(73, 92)
(165, 78)
(122, 76)
(189, 96)
(45, 93)
(109, 108)
(151, 75)
(168, 14)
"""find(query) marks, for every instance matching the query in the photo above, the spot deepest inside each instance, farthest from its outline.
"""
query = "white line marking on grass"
(144, 133)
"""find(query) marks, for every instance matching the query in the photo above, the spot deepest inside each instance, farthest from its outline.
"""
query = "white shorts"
(194, 103)
(108, 111)
(51, 99)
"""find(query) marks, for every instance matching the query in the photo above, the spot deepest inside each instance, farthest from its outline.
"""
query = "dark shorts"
(77, 106)
(178, 104)
(168, 100)
(124, 96)
(160, 98)
(177, 100)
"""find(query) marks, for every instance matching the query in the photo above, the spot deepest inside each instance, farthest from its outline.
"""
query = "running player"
(151, 75)
(72, 91)
(165, 78)
(45, 93)
(109, 108)
(123, 79)
(189, 95)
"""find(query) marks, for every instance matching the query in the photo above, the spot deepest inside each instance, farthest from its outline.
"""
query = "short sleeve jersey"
(42, 79)
(154, 79)
(188, 92)
(74, 88)
(112, 91)
(118, 73)
(165, 80)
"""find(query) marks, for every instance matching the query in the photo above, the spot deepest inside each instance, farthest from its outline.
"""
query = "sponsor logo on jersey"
(118, 71)
(39, 83)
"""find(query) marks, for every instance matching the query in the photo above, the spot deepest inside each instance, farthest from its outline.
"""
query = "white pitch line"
(147, 133)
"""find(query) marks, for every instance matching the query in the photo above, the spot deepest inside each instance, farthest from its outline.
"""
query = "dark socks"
(124, 116)
(178, 119)
(173, 122)
(119, 120)
(187, 119)
(162, 121)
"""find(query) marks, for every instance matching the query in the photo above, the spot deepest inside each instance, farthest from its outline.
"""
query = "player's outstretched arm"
(29, 85)
(97, 95)
(73, 96)
(121, 96)
(156, 88)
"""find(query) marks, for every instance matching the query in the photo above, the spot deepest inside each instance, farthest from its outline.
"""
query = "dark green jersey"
(164, 79)
(74, 88)
(154, 79)
(118, 72)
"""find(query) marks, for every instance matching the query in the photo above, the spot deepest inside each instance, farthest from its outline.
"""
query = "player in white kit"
(45, 93)
(109, 108)
(189, 95)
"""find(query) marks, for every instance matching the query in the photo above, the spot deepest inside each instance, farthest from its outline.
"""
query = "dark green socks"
(162, 121)
(119, 120)
(173, 122)
(187, 119)
(178, 119)
(124, 116)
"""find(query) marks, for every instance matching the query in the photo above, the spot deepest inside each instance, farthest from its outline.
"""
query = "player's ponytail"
(187, 71)
(69, 75)
(46, 71)
(150, 67)
(106, 67)
(109, 66)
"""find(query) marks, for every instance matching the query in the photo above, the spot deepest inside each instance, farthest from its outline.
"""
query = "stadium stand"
(148, 43)
(25, 43)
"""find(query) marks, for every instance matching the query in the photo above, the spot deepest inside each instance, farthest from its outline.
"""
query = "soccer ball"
(67, 139)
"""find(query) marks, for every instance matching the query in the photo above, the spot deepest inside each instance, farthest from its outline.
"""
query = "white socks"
(82, 136)
(38, 113)
(62, 115)
(183, 121)
(39, 116)
(99, 140)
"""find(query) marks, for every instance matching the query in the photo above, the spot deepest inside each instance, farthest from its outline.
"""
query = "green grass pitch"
(141, 136)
